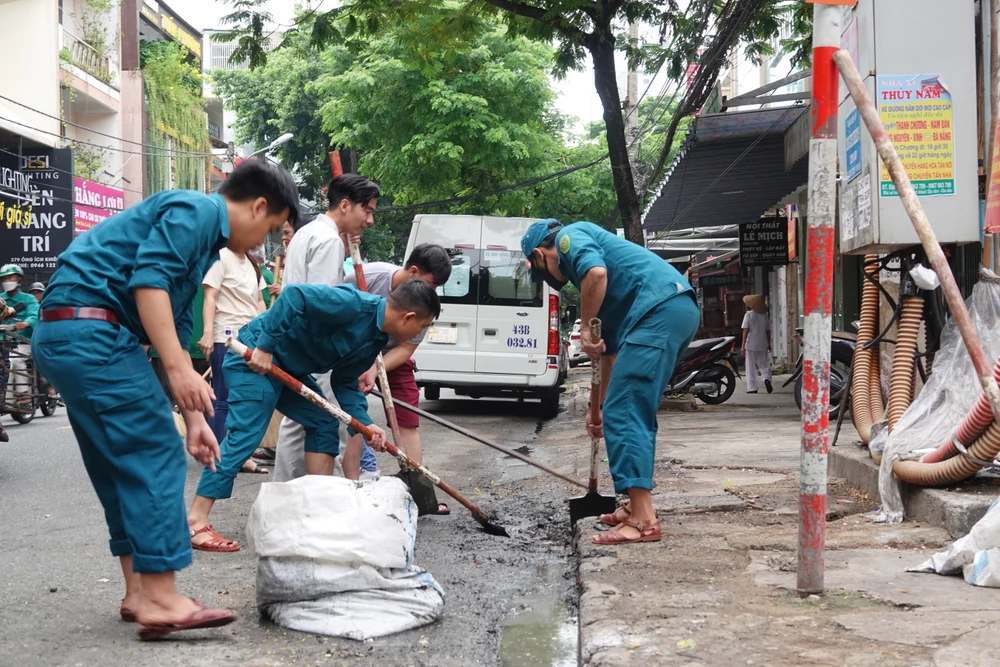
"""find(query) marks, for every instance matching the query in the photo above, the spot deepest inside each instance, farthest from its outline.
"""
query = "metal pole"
(869, 114)
(818, 300)
(632, 108)
(994, 87)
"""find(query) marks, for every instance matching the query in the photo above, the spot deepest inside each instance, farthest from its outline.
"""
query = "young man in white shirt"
(232, 298)
(316, 256)
(431, 264)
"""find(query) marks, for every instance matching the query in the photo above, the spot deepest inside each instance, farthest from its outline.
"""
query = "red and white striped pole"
(821, 219)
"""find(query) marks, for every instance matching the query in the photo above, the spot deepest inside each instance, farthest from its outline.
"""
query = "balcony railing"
(87, 57)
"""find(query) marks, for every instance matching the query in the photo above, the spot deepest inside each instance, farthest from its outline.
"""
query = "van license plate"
(443, 335)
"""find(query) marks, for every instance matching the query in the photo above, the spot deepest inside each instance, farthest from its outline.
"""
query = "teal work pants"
(644, 364)
(253, 398)
(125, 429)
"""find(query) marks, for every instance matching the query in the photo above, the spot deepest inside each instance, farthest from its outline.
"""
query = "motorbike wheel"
(27, 412)
(838, 378)
(727, 385)
(49, 406)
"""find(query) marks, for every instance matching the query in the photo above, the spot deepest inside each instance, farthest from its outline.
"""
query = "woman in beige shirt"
(233, 287)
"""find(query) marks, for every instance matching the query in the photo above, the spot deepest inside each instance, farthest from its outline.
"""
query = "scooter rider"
(24, 323)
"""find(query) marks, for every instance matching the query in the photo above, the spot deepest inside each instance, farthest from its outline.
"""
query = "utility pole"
(994, 84)
(820, 227)
(632, 113)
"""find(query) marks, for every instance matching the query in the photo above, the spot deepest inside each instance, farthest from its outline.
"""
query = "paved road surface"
(60, 587)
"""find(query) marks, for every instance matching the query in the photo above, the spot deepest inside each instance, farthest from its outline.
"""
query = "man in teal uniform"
(11, 276)
(311, 329)
(131, 281)
(648, 316)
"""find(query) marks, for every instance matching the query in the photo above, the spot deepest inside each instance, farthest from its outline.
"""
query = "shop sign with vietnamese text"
(917, 113)
(36, 207)
(764, 242)
(94, 202)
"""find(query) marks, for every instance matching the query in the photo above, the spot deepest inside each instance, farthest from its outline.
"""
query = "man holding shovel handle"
(649, 315)
(310, 330)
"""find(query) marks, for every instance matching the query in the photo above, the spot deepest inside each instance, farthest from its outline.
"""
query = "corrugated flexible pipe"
(865, 389)
(974, 424)
(943, 466)
(970, 430)
(901, 385)
(980, 454)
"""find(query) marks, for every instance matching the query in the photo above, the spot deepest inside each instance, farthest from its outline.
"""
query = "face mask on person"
(8, 286)
(547, 276)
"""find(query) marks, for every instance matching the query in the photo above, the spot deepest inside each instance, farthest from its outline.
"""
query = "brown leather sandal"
(202, 617)
(648, 532)
(217, 543)
(618, 516)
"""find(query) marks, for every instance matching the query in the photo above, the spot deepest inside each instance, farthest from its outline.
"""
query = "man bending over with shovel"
(311, 329)
(649, 315)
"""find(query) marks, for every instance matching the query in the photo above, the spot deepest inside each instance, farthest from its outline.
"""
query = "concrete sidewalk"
(719, 588)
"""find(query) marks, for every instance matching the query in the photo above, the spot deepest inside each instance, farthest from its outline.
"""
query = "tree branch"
(611, 7)
(538, 14)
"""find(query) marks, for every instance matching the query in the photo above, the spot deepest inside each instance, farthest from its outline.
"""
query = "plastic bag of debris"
(336, 558)
(949, 394)
(976, 556)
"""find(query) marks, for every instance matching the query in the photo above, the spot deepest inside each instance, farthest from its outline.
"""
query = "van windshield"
(490, 278)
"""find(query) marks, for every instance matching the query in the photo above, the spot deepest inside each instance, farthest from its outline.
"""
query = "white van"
(498, 334)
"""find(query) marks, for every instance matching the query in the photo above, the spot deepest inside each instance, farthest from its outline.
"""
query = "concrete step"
(956, 509)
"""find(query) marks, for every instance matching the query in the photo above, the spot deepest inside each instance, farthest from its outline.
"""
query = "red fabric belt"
(57, 314)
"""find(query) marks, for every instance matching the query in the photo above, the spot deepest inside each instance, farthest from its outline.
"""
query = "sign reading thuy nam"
(917, 113)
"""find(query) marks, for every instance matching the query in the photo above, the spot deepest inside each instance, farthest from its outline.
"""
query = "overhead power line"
(66, 171)
(98, 132)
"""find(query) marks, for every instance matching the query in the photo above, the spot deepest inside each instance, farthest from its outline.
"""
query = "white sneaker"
(366, 475)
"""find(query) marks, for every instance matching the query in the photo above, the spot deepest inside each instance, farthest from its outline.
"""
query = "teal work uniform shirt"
(29, 314)
(313, 329)
(638, 280)
(167, 242)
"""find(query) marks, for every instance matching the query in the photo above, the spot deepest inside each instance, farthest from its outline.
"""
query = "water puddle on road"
(542, 631)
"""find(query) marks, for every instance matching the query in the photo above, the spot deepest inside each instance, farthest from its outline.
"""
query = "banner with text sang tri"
(36, 208)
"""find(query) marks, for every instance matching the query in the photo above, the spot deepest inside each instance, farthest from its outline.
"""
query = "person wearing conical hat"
(757, 342)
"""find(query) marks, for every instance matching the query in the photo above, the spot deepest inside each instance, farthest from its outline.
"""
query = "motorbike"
(707, 370)
(30, 392)
(841, 357)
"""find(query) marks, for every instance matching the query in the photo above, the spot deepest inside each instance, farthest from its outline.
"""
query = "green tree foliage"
(432, 113)
(583, 31)
(176, 118)
(280, 97)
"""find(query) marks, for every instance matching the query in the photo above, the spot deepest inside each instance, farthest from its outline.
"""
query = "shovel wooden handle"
(383, 376)
(595, 404)
(595, 375)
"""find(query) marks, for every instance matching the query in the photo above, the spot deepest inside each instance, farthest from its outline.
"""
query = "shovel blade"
(422, 491)
(592, 504)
